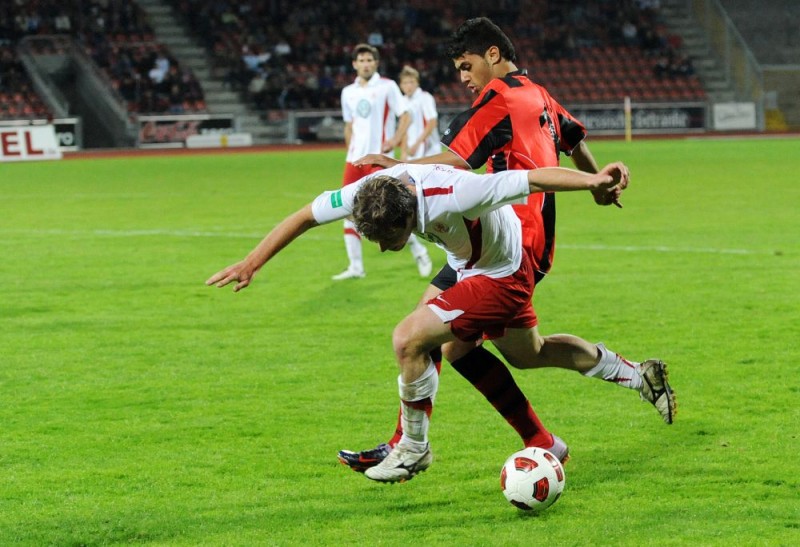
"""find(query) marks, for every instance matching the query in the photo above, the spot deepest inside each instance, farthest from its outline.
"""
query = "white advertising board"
(219, 140)
(734, 116)
(31, 143)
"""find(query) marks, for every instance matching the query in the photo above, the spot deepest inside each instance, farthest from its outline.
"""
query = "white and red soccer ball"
(532, 479)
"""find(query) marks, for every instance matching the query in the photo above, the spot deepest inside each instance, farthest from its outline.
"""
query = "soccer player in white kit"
(422, 137)
(371, 107)
(467, 215)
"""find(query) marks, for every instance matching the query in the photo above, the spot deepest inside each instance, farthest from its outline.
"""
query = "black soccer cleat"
(361, 461)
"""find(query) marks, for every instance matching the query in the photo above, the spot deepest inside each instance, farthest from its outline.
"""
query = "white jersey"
(462, 212)
(373, 110)
(423, 109)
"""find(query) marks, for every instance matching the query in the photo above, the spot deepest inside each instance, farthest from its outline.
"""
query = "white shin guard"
(415, 419)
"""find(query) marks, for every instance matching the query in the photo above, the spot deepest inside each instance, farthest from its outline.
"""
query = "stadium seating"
(289, 56)
(119, 40)
(574, 49)
(17, 97)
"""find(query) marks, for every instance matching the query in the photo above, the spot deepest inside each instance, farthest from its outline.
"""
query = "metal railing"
(742, 70)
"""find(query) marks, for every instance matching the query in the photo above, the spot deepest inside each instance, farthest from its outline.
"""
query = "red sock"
(398, 430)
(492, 378)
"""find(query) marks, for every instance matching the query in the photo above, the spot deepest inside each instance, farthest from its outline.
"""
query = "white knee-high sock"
(416, 248)
(416, 401)
(352, 243)
(613, 368)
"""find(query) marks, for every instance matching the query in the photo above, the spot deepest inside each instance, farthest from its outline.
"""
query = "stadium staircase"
(170, 31)
(677, 17)
(773, 38)
(771, 33)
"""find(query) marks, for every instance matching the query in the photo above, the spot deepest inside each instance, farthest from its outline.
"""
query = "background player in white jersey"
(466, 215)
(376, 119)
(422, 137)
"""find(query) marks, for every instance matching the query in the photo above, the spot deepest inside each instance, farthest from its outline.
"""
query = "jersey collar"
(372, 81)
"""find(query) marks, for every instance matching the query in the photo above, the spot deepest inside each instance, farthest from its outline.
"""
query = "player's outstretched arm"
(445, 157)
(376, 159)
(559, 179)
(279, 237)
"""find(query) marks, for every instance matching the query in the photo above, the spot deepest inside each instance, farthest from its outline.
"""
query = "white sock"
(417, 249)
(352, 243)
(613, 368)
(415, 419)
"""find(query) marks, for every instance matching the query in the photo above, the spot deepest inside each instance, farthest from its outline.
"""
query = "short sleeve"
(347, 114)
(429, 107)
(477, 194)
(334, 205)
(572, 131)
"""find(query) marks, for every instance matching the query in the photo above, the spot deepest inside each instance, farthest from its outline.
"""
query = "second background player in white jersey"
(422, 136)
(370, 107)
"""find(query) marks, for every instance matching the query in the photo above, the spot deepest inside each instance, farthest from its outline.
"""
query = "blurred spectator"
(310, 39)
(116, 35)
(672, 65)
(630, 34)
(662, 66)
(295, 53)
(684, 66)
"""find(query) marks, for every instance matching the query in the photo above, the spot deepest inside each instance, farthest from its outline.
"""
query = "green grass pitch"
(139, 406)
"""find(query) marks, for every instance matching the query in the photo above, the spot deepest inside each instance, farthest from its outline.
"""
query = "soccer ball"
(532, 479)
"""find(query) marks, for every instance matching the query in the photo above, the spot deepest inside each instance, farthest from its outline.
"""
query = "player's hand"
(376, 159)
(389, 145)
(241, 272)
(620, 175)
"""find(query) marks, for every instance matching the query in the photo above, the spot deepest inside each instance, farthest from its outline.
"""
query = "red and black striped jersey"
(516, 124)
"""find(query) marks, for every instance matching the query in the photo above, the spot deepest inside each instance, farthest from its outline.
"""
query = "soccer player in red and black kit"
(516, 124)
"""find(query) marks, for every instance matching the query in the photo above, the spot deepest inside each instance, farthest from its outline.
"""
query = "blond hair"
(409, 72)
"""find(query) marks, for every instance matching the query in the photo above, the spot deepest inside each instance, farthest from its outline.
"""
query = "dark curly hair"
(382, 206)
(476, 36)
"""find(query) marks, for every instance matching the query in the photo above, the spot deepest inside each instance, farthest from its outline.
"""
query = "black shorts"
(447, 277)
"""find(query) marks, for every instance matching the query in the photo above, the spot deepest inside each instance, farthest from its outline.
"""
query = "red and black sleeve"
(476, 134)
(572, 131)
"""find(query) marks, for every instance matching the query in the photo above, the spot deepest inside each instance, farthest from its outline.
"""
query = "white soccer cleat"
(424, 265)
(401, 465)
(656, 389)
(349, 273)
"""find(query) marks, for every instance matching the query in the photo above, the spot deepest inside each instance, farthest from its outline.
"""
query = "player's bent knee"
(406, 342)
(414, 337)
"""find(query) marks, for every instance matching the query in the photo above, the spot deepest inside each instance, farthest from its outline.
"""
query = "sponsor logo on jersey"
(336, 199)
(363, 108)
(433, 238)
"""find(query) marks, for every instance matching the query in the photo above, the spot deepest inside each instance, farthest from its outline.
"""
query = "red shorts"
(481, 306)
(353, 173)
